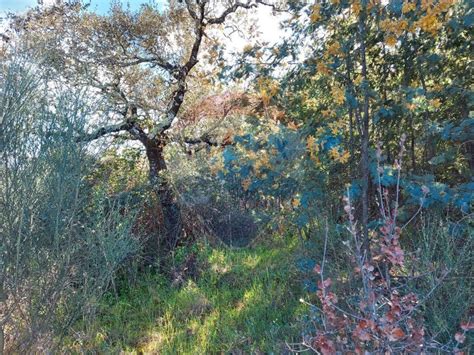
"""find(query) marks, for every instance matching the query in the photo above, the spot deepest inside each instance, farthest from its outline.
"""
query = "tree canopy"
(138, 144)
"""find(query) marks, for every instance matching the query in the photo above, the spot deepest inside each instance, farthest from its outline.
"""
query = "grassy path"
(241, 301)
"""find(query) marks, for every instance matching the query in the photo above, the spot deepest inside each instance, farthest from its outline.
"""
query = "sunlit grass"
(243, 300)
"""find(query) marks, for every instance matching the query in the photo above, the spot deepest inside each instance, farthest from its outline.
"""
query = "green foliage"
(240, 300)
(443, 244)
(119, 172)
(324, 117)
(437, 258)
(61, 243)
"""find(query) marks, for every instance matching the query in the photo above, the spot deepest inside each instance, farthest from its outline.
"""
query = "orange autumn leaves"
(429, 16)
(338, 93)
(430, 21)
(393, 29)
(267, 89)
(262, 160)
(341, 156)
(315, 15)
(335, 153)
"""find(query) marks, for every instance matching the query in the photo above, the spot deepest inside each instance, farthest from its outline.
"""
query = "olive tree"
(142, 63)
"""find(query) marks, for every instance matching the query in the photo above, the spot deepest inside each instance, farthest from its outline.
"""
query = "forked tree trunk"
(167, 212)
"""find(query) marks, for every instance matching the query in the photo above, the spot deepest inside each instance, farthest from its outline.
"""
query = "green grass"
(244, 300)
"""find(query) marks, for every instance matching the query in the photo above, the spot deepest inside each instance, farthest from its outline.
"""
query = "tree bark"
(349, 70)
(407, 74)
(168, 212)
(167, 232)
(365, 136)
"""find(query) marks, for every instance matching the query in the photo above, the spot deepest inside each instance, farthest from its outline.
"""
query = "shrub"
(385, 312)
(61, 244)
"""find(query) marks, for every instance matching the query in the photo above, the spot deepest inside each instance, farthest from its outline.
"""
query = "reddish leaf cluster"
(385, 320)
(217, 107)
(460, 337)
(324, 344)
(389, 246)
(379, 323)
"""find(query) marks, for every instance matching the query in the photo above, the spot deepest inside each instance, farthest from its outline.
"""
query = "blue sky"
(100, 6)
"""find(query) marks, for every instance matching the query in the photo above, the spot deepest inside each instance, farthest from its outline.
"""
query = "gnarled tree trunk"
(167, 212)
(166, 230)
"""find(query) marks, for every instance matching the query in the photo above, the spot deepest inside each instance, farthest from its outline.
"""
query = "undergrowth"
(238, 300)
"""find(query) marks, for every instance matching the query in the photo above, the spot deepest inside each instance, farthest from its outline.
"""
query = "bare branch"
(129, 126)
(194, 145)
(181, 75)
(191, 10)
(230, 10)
(138, 133)
(153, 61)
(274, 7)
(103, 131)
(205, 139)
(244, 5)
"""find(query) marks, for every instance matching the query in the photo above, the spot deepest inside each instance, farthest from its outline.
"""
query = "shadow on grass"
(245, 300)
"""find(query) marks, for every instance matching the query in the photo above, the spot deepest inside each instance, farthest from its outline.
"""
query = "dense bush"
(196, 160)
(393, 296)
(62, 243)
